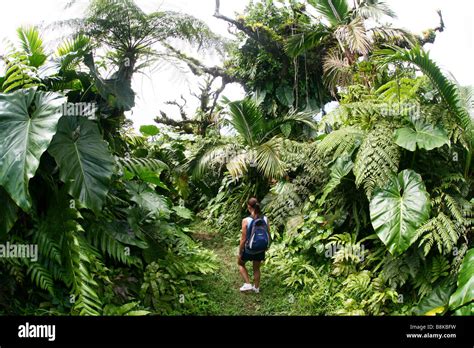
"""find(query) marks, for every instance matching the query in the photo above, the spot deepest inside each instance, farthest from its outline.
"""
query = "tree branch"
(261, 35)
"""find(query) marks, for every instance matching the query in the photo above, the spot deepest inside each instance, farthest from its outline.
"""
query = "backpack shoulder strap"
(249, 226)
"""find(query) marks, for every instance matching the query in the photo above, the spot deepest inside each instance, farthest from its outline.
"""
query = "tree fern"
(377, 158)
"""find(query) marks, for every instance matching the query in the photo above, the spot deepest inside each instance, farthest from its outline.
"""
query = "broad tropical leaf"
(183, 212)
(28, 122)
(465, 291)
(423, 135)
(85, 162)
(149, 130)
(375, 9)
(436, 302)
(399, 209)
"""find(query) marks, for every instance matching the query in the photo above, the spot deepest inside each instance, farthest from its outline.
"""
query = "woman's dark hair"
(253, 203)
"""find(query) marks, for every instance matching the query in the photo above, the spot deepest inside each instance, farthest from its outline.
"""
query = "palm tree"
(259, 142)
(344, 36)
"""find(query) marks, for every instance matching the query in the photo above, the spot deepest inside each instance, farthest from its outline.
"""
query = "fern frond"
(341, 141)
(441, 231)
(79, 260)
(377, 158)
(101, 239)
(136, 165)
(40, 276)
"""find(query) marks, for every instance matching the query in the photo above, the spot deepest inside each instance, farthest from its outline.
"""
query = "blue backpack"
(258, 237)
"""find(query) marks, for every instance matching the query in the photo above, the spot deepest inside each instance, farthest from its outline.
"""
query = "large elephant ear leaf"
(28, 122)
(422, 135)
(84, 160)
(437, 301)
(397, 210)
(464, 294)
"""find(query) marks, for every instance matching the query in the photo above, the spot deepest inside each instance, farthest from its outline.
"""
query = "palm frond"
(389, 34)
(337, 70)
(238, 164)
(247, 119)
(32, 45)
(71, 51)
(217, 155)
(374, 9)
(354, 36)
(447, 89)
(268, 159)
(335, 11)
(303, 42)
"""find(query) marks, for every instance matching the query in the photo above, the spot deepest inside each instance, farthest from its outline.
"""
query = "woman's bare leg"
(256, 273)
(243, 270)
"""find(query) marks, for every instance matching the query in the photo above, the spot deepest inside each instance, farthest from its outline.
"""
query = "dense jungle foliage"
(370, 202)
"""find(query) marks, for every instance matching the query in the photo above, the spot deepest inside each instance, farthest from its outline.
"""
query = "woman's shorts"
(252, 257)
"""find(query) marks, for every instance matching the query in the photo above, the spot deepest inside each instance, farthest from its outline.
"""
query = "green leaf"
(285, 95)
(425, 136)
(465, 310)
(339, 170)
(335, 11)
(149, 130)
(85, 162)
(465, 292)
(183, 212)
(399, 209)
(286, 129)
(32, 45)
(28, 121)
(259, 96)
(149, 200)
(121, 231)
(8, 212)
(436, 302)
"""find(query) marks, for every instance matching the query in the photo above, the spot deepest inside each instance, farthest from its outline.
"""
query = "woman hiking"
(254, 241)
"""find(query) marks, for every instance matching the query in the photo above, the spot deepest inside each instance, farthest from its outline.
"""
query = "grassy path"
(223, 286)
